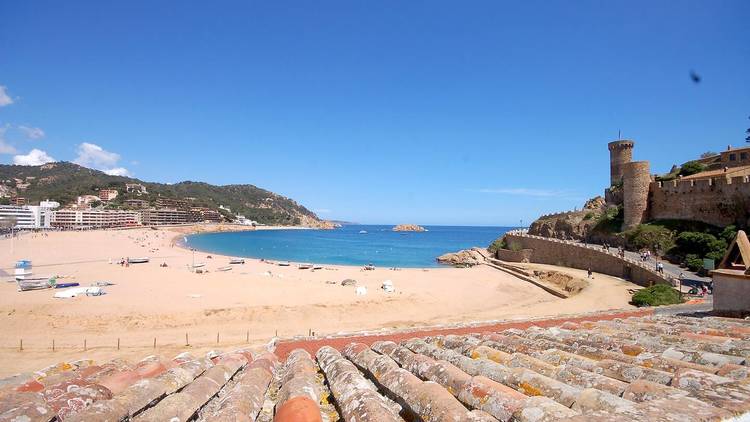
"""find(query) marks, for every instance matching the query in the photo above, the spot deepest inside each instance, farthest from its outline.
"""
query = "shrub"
(728, 234)
(699, 244)
(496, 244)
(693, 262)
(660, 294)
(515, 246)
(610, 220)
(648, 236)
(691, 167)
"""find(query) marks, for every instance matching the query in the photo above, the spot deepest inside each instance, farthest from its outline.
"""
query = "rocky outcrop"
(466, 257)
(571, 225)
(595, 203)
(409, 228)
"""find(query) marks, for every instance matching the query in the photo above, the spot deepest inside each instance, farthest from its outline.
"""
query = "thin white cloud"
(32, 132)
(5, 147)
(5, 99)
(35, 157)
(118, 171)
(95, 157)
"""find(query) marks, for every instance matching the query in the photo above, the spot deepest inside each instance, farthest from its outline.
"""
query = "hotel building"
(164, 217)
(89, 219)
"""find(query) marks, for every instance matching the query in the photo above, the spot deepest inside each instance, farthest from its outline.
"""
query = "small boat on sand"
(227, 268)
(137, 260)
(35, 284)
(369, 267)
(317, 267)
(235, 261)
(64, 285)
(199, 265)
(305, 266)
(283, 264)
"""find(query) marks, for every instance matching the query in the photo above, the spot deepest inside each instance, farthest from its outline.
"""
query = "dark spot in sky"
(696, 78)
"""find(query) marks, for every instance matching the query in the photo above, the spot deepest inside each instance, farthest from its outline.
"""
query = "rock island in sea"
(409, 228)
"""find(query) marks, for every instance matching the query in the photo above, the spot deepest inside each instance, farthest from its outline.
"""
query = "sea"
(348, 245)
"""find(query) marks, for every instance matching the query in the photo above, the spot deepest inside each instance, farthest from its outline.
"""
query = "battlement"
(620, 144)
(686, 186)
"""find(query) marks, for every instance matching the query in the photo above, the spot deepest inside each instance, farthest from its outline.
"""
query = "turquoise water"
(347, 246)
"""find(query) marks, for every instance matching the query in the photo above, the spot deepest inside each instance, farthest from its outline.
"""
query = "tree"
(691, 167)
(709, 153)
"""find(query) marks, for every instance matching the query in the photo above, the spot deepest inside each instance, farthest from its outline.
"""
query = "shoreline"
(249, 304)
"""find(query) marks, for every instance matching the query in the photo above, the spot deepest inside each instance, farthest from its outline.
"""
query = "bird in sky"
(696, 78)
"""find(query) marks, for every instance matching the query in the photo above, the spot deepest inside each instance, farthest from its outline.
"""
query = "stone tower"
(620, 153)
(636, 178)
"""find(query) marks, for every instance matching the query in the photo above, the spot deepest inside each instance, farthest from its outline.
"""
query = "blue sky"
(432, 112)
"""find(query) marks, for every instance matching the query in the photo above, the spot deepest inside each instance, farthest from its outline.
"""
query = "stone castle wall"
(636, 181)
(577, 255)
(719, 201)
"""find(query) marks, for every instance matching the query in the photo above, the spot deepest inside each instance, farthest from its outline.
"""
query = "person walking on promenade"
(589, 273)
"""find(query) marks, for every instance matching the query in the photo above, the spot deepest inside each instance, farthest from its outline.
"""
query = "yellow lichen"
(529, 390)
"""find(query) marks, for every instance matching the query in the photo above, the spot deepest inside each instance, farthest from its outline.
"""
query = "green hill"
(64, 182)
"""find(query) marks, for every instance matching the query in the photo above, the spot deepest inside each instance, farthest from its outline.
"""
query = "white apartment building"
(91, 218)
(28, 216)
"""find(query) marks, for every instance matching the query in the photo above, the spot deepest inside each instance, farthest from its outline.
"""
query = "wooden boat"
(236, 261)
(142, 260)
(199, 265)
(305, 266)
(227, 268)
(317, 267)
(283, 264)
(34, 284)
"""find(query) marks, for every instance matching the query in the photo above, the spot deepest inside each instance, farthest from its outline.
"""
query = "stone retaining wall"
(524, 255)
(577, 255)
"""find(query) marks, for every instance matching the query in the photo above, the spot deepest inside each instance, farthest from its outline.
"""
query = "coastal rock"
(570, 225)
(409, 228)
(470, 257)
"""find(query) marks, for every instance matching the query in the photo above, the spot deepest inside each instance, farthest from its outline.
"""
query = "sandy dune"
(256, 300)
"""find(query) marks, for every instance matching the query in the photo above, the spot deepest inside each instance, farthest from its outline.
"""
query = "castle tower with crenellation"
(620, 153)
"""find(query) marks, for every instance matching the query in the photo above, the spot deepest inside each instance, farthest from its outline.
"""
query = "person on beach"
(590, 273)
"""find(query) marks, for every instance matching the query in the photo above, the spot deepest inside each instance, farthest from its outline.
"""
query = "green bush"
(515, 246)
(660, 294)
(693, 262)
(691, 167)
(648, 236)
(728, 234)
(695, 245)
(496, 244)
(610, 221)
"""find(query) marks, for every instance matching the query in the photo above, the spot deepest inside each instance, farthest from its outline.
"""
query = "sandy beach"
(250, 304)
